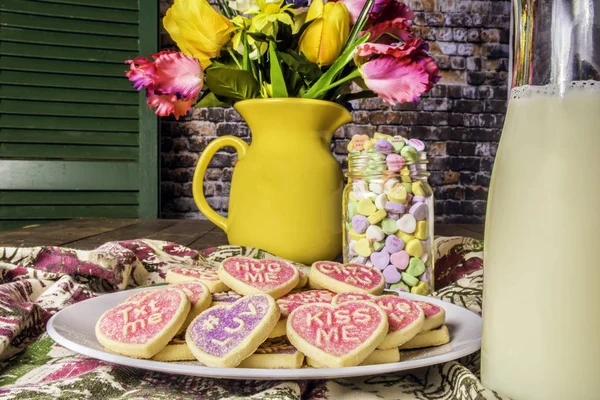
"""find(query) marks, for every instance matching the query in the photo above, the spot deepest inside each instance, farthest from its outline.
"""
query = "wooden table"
(88, 234)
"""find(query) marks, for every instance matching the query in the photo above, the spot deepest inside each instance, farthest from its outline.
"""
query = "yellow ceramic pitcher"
(286, 189)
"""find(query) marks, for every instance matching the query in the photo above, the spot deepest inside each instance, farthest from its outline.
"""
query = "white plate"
(74, 326)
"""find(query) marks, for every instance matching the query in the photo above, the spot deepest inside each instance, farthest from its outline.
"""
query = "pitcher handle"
(198, 181)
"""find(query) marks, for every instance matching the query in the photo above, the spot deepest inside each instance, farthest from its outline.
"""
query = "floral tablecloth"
(37, 282)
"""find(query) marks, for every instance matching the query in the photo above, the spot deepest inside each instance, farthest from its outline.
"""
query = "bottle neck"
(377, 165)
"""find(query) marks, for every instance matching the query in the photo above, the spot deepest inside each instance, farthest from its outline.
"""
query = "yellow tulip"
(198, 29)
(323, 40)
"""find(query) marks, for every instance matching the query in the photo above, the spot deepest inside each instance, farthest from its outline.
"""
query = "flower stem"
(353, 75)
(232, 53)
(360, 22)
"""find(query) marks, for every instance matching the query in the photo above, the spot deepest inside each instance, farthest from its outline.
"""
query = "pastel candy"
(360, 223)
(397, 143)
(400, 287)
(391, 274)
(393, 244)
(390, 184)
(368, 145)
(378, 246)
(389, 226)
(358, 142)
(393, 207)
(400, 259)
(380, 201)
(394, 162)
(352, 205)
(419, 199)
(414, 248)
(417, 144)
(380, 260)
(407, 187)
(415, 267)
(351, 245)
(425, 255)
(425, 276)
(419, 211)
(417, 189)
(375, 234)
(409, 153)
(383, 146)
(408, 279)
(397, 194)
(377, 217)
(360, 190)
(421, 288)
(376, 187)
(355, 235)
(407, 223)
(379, 135)
(394, 216)
(359, 260)
(405, 174)
(366, 207)
(352, 197)
(407, 237)
(422, 231)
(363, 247)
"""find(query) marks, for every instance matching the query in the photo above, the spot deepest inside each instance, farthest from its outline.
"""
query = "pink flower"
(392, 31)
(399, 73)
(172, 81)
(355, 7)
(392, 10)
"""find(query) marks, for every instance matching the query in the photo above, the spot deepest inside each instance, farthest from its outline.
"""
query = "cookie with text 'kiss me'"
(144, 324)
(405, 317)
(337, 335)
(247, 275)
(223, 336)
(341, 278)
(208, 276)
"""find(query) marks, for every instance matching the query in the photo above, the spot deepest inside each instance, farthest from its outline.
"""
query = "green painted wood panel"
(39, 22)
(68, 95)
(8, 135)
(61, 66)
(19, 197)
(62, 151)
(79, 110)
(72, 11)
(68, 211)
(67, 39)
(23, 78)
(112, 4)
(65, 53)
(72, 123)
(68, 175)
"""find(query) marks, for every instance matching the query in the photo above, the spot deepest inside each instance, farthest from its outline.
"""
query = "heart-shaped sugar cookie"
(337, 335)
(434, 315)
(142, 325)
(208, 276)
(341, 278)
(291, 301)
(247, 275)
(223, 336)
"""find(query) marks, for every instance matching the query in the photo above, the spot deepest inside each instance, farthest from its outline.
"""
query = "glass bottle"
(541, 301)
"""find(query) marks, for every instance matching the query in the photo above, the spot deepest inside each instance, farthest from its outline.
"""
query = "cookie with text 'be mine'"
(144, 324)
(208, 276)
(247, 275)
(341, 278)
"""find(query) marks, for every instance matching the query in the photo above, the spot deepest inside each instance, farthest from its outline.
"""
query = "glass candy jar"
(388, 216)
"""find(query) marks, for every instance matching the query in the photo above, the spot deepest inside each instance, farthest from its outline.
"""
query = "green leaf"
(261, 37)
(234, 83)
(299, 63)
(209, 100)
(277, 81)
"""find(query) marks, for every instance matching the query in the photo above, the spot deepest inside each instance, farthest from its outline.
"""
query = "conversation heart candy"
(425, 276)
(360, 223)
(145, 323)
(421, 288)
(415, 267)
(393, 207)
(390, 183)
(366, 207)
(393, 244)
(274, 353)
(380, 201)
(380, 260)
(375, 234)
(391, 274)
(417, 188)
(417, 144)
(363, 247)
(223, 336)
(419, 211)
(379, 135)
(368, 145)
(409, 153)
(400, 259)
(377, 217)
(422, 230)
(406, 237)
(378, 246)
(293, 300)
(358, 142)
(397, 143)
(208, 276)
(394, 162)
(376, 187)
(397, 194)
(337, 335)
(400, 287)
(407, 223)
(419, 199)
(360, 190)
(355, 235)
(409, 279)
(246, 276)
(393, 216)
(352, 211)
(347, 277)
(383, 146)
(408, 187)
(434, 315)
(389, 226)
(414, 248)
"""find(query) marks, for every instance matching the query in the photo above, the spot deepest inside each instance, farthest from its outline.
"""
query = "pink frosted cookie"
(199, 297)
(274, 353)
(293, 300)
(223, 336)
(435, 337)
(208, 276)
(228, 297)
(341, 278)
(246, 275)
(405, 317)
(143, 325)
(337, 335)
(302, 279)
(434, 316)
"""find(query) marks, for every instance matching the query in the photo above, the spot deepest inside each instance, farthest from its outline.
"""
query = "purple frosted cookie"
(223, 336)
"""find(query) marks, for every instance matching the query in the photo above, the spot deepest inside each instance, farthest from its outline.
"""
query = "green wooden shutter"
(75, 139)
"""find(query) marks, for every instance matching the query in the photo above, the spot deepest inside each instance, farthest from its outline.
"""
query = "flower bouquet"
(270, 48)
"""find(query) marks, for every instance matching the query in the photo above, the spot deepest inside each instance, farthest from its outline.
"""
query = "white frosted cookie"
(337, 335)
(208, 276)
(436, 337)
(223, 336)
(274, 353)
(176, 350)
(341, 278)
(435, 316)
(376, 357)
(144, 324)
(246, 276)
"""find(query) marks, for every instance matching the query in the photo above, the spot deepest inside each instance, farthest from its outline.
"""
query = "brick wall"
(460, 120)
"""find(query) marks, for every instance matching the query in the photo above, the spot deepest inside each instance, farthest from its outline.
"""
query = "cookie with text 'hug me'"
(337, 335)
(247, 275)
(142, 325)
(341, 278)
